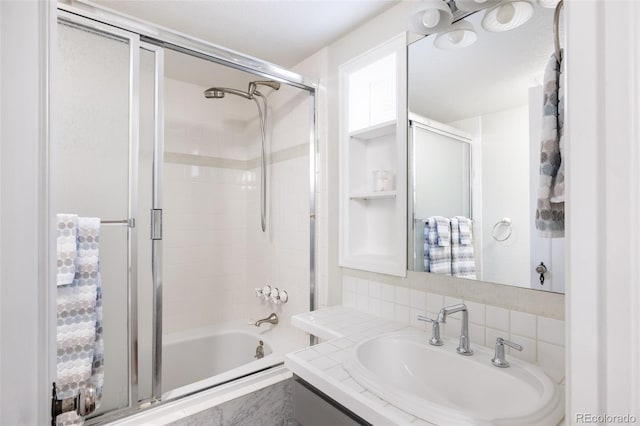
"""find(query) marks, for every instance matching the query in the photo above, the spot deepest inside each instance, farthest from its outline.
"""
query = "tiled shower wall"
(542, 338)
(215, 253)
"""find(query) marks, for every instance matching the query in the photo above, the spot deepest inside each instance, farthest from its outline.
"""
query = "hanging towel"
(66, 248)
(437, 246)
(463, 262)
(80, 355)
(550, 206)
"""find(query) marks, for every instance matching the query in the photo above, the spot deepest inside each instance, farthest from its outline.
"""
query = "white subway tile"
(476, 334)
(402, 296)
(418, 299)
(349, 284)
(551, 359)
(375, 289)
(435, 302)
(375, 307)
(388, 293)
(497, 318)
(476, 312)
(402, 314)
(551, 331)
(362, 303)
(388, 310)
(363, 287)
(350, 300)
(413, 318)
(523, 324)
(452, 327)
(529, 348)
(491, 334)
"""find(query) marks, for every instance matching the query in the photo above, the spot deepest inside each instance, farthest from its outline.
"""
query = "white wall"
(25, 329)
(215, 252)
(603, 206)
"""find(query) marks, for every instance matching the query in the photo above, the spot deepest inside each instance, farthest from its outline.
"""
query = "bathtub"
(199, 359)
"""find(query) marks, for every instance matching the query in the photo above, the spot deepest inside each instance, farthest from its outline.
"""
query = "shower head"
(219, 92)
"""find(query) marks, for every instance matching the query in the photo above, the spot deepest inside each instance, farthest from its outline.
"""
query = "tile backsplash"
(542, 338)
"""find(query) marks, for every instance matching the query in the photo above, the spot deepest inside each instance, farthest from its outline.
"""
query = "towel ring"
(503, 222)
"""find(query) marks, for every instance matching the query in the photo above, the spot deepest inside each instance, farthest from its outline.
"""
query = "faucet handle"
(499, 359)
(435, 330)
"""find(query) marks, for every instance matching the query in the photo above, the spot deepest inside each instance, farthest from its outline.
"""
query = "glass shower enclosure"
(174, 179)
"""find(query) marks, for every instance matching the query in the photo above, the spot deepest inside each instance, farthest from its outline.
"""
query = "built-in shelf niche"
(373, 136)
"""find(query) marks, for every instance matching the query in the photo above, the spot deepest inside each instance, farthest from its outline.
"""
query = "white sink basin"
(440, 386)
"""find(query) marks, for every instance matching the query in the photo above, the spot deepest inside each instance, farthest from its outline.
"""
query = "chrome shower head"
(219, 92)
(214, 93)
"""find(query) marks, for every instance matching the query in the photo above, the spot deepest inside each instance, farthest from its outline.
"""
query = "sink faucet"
(463, 347)
(271, 319)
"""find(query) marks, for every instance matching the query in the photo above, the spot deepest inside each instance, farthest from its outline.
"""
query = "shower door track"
(156, 38)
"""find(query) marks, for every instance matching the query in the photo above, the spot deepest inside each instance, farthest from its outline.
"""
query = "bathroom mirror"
(475, 122)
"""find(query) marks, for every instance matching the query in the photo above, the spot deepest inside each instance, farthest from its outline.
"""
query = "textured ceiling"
(281, 32)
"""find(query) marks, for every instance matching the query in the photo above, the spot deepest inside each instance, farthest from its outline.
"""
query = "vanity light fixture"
(507, 15)
(474, 5)
(433, 16)
(549, 4)
(459, 35)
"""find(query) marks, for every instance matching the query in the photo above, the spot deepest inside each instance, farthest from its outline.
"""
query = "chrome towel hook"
(505, 222)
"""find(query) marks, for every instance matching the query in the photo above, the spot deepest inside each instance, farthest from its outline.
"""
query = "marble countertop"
(322, 365)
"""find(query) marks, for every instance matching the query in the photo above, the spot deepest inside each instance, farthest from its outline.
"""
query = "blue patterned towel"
(437, 245)
(463, 262)
(79, 312)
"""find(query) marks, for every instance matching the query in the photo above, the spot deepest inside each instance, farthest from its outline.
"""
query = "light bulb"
(505, 13)
(455, 37)
(431, 17)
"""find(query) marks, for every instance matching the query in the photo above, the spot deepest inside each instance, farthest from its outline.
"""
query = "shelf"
(378, 195)
(376, 131)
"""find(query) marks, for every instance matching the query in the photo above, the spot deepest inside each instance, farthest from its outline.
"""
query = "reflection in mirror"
(476, 119)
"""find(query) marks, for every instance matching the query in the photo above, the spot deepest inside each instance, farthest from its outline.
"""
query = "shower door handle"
(83, 404)
(156, 224)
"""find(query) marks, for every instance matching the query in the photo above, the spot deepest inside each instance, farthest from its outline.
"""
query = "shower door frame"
(135, 46)
(156, 38)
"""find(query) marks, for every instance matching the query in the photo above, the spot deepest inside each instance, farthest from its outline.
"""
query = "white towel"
(66, 248)
(437, 245)
(79, 311)
(463, 263)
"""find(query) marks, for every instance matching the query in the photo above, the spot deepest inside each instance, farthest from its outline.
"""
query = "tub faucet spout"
(271, 319)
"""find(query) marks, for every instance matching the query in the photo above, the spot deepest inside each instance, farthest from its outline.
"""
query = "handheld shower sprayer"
(253, 94)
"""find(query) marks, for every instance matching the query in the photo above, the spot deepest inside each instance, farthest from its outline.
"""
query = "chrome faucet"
(463, 347)
(271, 319)
(499, 359)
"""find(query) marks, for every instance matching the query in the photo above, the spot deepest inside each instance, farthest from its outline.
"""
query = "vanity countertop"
(322, 365)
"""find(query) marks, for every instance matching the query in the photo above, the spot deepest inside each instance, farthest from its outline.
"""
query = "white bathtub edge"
(172, 411)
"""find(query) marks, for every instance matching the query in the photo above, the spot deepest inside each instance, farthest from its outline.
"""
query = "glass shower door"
(108, 88)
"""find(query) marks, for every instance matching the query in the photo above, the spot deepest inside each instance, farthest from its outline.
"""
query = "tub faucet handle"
(266, 292)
